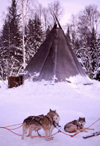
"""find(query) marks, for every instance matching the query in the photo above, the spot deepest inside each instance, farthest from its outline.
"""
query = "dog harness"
(74, 123)
(38, 121)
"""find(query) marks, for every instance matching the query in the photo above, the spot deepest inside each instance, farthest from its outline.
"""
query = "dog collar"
(54, 124)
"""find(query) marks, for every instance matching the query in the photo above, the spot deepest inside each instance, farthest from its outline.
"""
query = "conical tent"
(55, 60)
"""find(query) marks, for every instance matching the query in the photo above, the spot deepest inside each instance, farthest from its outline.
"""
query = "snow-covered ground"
(71, 101)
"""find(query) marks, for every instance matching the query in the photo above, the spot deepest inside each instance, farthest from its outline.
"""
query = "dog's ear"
(80, 118)
(50, 110)
(84, 119)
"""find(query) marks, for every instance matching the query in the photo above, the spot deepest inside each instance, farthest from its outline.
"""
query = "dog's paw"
(47, 139)
(32, 137)
(51, 138)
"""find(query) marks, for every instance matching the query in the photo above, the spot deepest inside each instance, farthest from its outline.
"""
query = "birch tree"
(55, 9)
(25, 9)
(88, 19)
(24, 4)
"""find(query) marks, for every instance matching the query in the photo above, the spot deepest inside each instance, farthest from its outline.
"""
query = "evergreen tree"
(34, 36)
(90, 55)
(97, 60)
(84, 37)
(93, 50)
(11, 41)
(14, 19)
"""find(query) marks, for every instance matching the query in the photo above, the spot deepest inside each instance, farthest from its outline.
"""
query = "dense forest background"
(24, 30)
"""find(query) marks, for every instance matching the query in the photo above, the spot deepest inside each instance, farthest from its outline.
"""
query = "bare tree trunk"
(23, 31)
(24, 15)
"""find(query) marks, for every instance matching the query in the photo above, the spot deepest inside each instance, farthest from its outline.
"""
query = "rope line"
(14, 125)
(6, 127)
(11, 131)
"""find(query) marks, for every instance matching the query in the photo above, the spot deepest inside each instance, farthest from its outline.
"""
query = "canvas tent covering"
(54, 60)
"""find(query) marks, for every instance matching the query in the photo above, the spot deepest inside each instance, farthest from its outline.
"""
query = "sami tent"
(55, 60)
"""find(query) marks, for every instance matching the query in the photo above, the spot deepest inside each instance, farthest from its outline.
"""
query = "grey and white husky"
(76, 126)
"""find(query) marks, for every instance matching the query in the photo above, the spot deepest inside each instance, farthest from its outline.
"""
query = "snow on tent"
(55, 60)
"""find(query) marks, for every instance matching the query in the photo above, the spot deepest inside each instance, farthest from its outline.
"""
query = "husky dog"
(75, 126)
(47, 122)
(28, 121)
